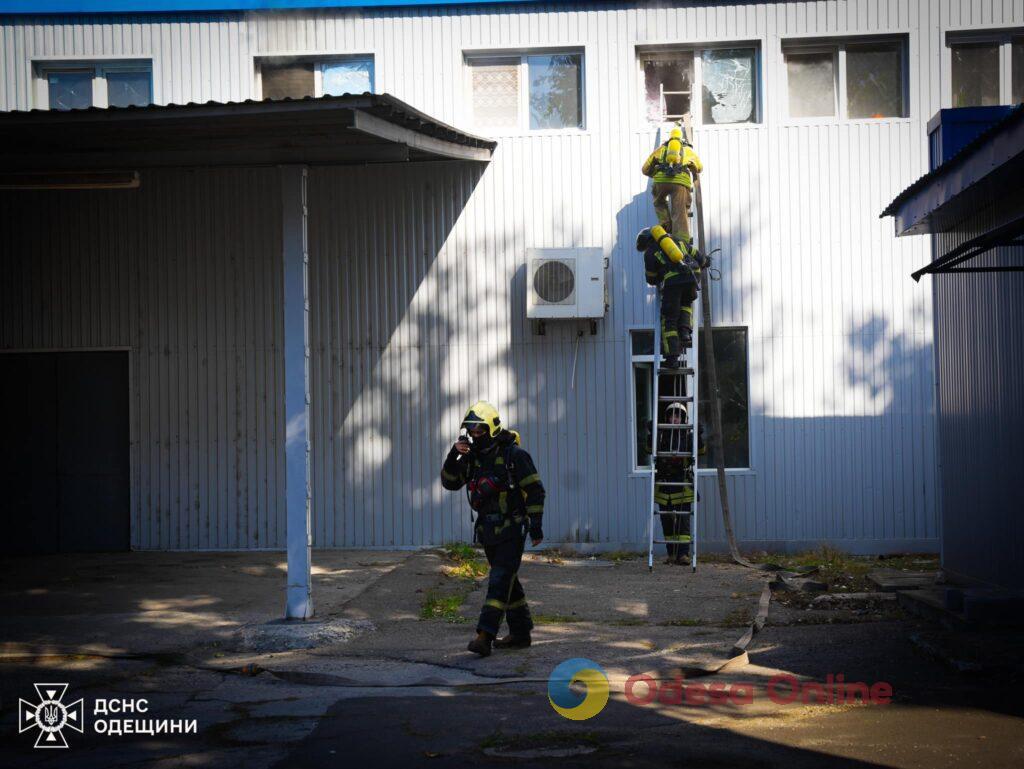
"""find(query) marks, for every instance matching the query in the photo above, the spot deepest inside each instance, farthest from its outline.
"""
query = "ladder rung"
(673, 512)
(674, 483)
(675, 371)
(685, 541)
(673, 454)
(676, 398)
(669, 426)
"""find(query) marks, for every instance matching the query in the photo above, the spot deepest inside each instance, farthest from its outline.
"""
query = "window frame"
(644, 471)
(522, 127)
(99, 66)
(1004, 37)
(696, 49)
(318, 60)
(839, 46)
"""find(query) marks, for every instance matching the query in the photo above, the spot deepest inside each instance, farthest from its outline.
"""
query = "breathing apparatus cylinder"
(674, 154)
(666, 243)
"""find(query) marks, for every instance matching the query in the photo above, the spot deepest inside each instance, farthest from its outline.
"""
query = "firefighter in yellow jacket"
(672, 167)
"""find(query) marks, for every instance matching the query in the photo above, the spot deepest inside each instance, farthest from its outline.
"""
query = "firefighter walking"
(505, 491)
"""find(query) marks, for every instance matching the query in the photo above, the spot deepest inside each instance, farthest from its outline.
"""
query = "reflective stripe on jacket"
(655, 162)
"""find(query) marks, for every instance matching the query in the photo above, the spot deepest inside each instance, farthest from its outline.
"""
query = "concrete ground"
(198, 636)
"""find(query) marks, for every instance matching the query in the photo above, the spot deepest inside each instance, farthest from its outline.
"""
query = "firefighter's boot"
(513, 641)
(481, 644)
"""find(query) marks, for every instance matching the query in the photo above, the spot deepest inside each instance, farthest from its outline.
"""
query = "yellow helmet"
(483, 413)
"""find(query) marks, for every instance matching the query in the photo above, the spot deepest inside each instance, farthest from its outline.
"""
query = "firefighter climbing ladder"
(681, 385)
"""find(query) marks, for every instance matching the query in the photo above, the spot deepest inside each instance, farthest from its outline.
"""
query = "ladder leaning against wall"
(681, 441)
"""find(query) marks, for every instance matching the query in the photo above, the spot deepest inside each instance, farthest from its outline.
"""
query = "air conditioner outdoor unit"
(566, 283)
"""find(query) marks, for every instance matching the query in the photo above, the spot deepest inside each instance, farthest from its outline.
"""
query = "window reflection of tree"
(555, 91)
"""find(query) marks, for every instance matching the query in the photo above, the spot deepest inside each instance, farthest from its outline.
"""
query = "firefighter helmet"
(483, 413)
(644, 239)
(676, 406)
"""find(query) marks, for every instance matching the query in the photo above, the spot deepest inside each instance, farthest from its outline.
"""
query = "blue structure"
(165, 6)
(972, 201)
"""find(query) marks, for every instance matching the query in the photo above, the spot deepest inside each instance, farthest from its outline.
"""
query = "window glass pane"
(292, 80)
(975, 74)
(874, 81)
(728, 87)
(643, 390)
(127, 89)
(643, 342)
(341, 77)
(556, 91)
(70, 90)
(812, 84)
(1017, 65)
(495, 93)
(668, 77)
(731, 366)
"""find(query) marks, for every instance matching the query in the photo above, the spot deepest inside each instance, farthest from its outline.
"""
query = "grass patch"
(446, 607)
(682, 623)
(740, 617)
(555, 619)
(459, 551)
(619, 556)
(466, 563)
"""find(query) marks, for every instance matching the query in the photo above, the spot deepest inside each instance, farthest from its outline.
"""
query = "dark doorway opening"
(64, 452)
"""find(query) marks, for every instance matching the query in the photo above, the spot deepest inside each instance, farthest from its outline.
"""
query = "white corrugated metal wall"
(842, 424)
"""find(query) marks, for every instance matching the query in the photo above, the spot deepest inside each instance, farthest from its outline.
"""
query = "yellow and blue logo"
(566, 702)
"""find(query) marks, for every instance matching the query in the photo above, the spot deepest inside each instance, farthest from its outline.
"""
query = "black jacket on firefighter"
(673, 266)
(505, 491)
(503, 488)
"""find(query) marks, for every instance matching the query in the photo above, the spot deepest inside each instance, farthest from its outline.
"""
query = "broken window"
(728, 85)
(288, 80)
(126, 88)
(348, 76)
(975, 74)
(82, 84)
(668, 85)
(812, 84)
(70, 89)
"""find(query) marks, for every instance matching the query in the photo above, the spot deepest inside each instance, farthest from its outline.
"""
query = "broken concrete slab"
(890, 580)
(283, 635)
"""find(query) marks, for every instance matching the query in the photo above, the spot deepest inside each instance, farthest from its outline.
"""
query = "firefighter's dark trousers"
(676, 316)
(675, 525)
(505, 596)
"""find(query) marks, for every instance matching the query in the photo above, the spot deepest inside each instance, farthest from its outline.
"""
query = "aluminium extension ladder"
(682, 385)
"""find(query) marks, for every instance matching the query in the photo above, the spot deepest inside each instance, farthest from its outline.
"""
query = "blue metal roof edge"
(912, 207)
(39, 7)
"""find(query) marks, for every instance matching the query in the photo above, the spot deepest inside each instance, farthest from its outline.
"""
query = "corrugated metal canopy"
(331, 130)
(982, 171)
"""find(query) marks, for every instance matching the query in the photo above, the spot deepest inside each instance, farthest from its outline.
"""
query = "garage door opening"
(64, 452)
